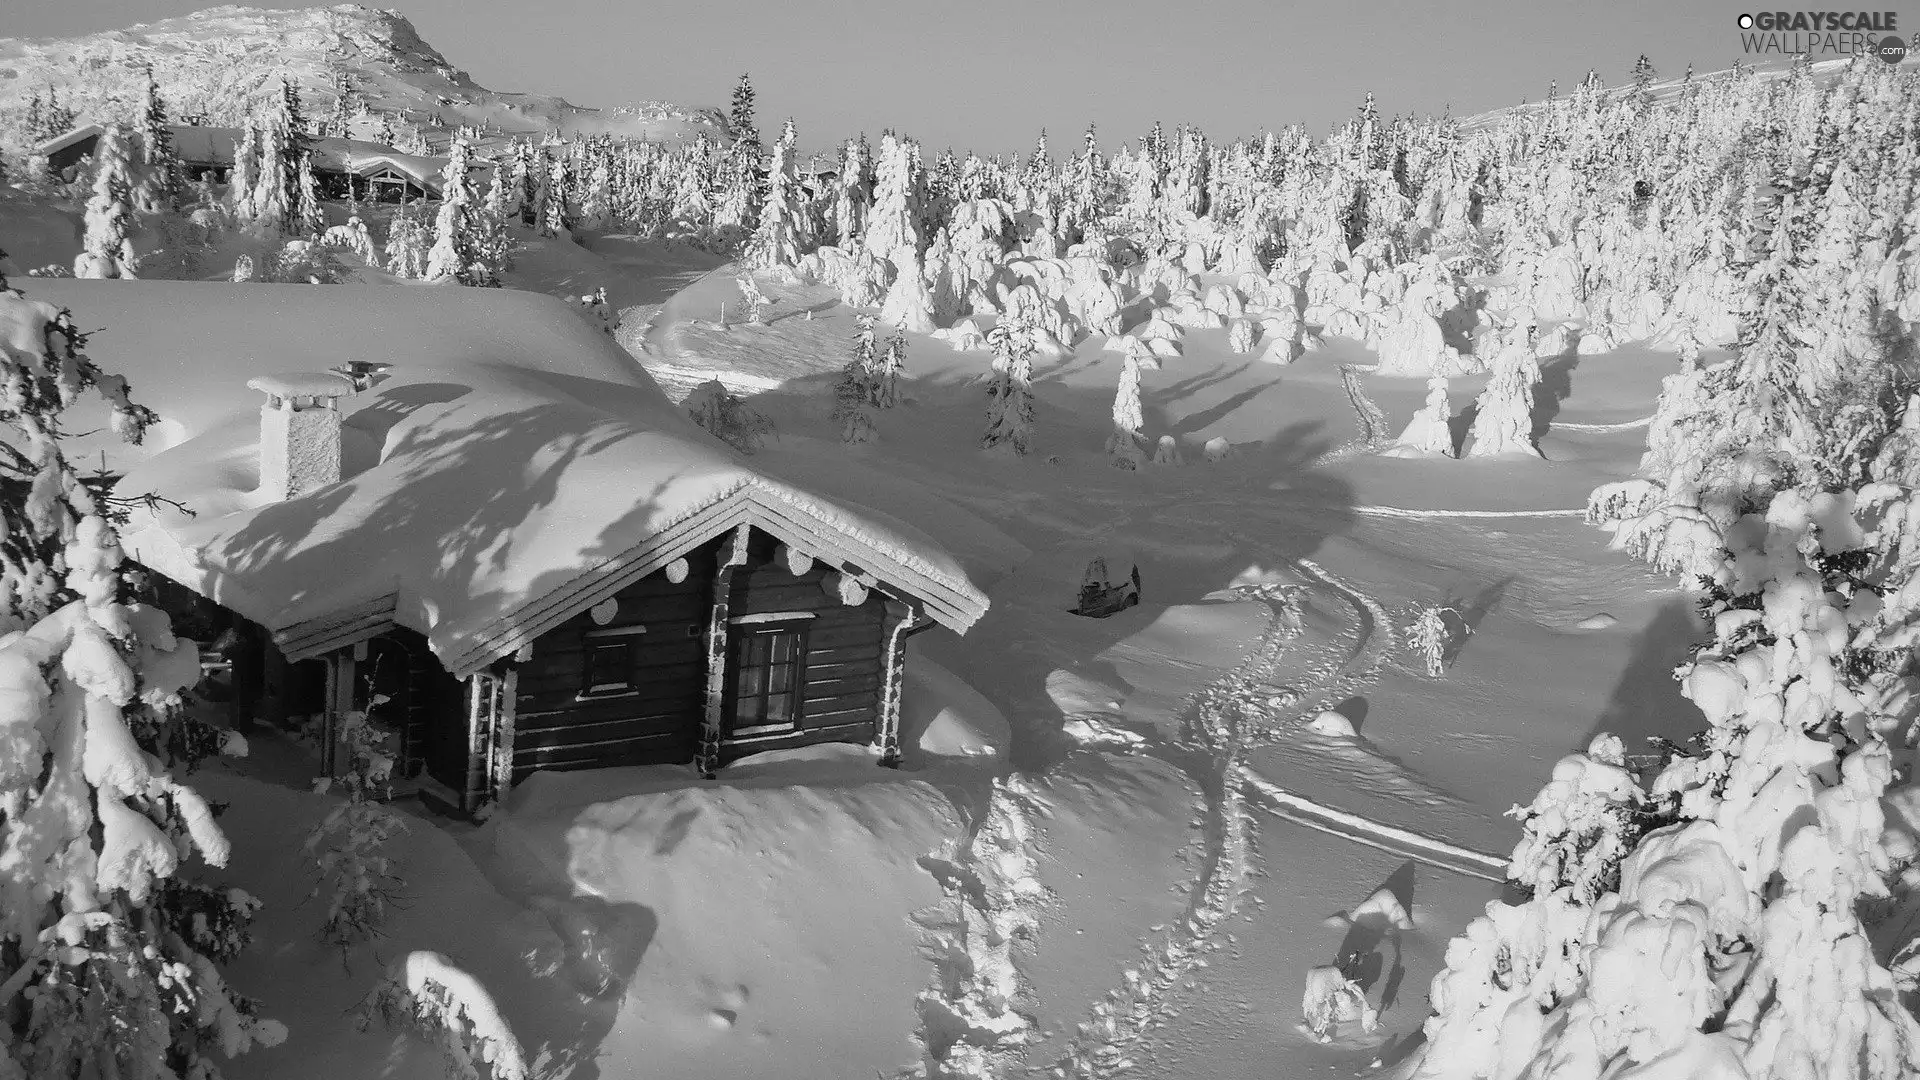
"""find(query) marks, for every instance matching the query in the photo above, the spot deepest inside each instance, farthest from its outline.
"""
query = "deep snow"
(783, 920)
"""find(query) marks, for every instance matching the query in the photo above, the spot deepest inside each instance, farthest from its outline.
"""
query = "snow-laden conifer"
(107, 247)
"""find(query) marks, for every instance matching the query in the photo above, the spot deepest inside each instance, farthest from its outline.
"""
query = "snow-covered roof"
(60, 142)
(515, 468)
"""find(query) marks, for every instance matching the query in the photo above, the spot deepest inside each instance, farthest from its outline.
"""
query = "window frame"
(740, 631)
(624, 639)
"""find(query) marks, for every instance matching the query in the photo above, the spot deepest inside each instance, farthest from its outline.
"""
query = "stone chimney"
(300, 431)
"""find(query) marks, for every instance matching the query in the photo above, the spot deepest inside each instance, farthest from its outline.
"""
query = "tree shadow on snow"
(1363, 952)
(1473, 609)
(1556, 385)
(1167, 515)
(1646, 701)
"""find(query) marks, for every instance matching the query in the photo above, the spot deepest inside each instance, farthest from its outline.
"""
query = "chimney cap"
(303, 384)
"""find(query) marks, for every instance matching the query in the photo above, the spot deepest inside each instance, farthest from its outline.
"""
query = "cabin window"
(766, 681)
(609, 668)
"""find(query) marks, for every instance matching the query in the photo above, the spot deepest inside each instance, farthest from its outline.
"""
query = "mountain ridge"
(221, 62)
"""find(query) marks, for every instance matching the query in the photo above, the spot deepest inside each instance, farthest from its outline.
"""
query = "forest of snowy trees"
(1731, 912)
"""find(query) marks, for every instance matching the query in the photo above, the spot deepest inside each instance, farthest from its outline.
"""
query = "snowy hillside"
(217, 61)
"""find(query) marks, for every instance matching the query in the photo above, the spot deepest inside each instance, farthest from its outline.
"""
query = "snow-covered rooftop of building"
(515, 467)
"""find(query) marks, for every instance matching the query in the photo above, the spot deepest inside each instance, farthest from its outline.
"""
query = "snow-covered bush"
(349, 846)
(751, 298)
(428, 994)
(725, 416)
(1332, 999)
(1431, 637)
(597, 310)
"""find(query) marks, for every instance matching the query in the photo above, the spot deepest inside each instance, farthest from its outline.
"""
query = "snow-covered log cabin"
(513, 537)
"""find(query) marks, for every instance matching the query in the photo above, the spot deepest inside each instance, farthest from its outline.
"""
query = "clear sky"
(988, 74)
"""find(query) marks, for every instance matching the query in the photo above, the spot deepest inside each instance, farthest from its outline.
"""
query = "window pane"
(780, 709)
(784, 645)
(608, 668)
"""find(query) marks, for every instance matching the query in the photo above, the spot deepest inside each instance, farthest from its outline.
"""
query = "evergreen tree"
(107, 249)
(556, 217)
(241, 182)
(161, 180)
(295, 143)
(58, 119)
(1010, 391)
(854, 193)
(35, 120)
(886, 371)
(311, 217)
(853, 392)
(456, 248)
(776, 240)
(1123, 447)
(107, 951)
(272, 210)
(740, 118)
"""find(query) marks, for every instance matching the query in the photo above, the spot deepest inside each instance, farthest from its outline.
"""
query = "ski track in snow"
(1626, 425)
(1398, 512)
(1249, 707)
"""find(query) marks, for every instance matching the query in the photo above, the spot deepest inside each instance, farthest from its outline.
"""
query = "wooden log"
(677, 570)
(844, 587)
(733, 555)
(796, 561)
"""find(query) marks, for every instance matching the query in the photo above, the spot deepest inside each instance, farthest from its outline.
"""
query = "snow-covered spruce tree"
(1123, 446)
(107, 250)
(1504, 421)
(1427, 432)
(886, 371)
(106, 959)
(426, 993)
(853, 193)
(456, 251)
(853, 392)
(1010, 391)
(311, 218)
(406, 244)
(740, 117)
(1734, 944)
(240, 182)
(161, 181)
(776, 240)
(348, 847)
(556, 217)
(271, 203)
(893, 222)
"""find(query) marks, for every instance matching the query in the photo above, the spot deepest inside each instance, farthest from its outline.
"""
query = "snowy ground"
(1197, 845)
